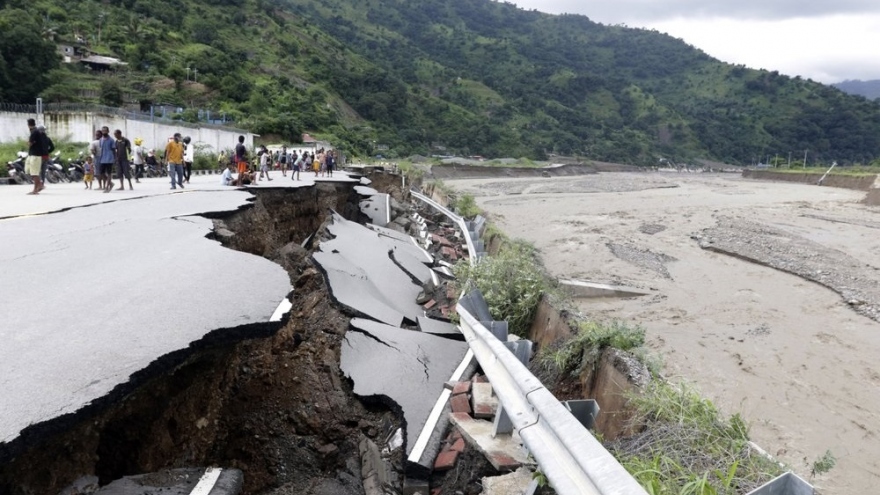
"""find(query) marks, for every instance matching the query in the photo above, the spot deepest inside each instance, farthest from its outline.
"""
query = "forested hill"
(422, 76)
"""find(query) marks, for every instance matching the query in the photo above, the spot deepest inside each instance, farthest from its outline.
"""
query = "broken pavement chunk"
(405, 366)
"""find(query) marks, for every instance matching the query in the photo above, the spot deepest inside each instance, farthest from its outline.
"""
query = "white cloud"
(822, 40)
(827, 49)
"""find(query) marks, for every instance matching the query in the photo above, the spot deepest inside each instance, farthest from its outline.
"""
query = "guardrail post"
(502, 424)
(584, 410)
(522, 349)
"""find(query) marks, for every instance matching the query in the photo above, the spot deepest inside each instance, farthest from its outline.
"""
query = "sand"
(791, 355)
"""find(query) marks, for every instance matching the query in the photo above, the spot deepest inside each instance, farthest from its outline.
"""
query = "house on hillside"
(101, 63)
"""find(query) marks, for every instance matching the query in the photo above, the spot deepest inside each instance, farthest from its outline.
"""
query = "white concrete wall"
(80, 127)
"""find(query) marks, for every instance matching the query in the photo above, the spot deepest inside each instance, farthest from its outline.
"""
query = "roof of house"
(98, 59)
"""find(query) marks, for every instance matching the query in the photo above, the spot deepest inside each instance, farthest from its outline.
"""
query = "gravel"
(857, 282)
(644, 258)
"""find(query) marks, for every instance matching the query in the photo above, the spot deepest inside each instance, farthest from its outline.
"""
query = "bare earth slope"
(795, 357)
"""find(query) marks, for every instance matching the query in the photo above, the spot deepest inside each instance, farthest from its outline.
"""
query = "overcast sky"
(824, 40)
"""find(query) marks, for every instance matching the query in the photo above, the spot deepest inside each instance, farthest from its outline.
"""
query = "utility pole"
(789, 159)
(805, 158)
(776, 160)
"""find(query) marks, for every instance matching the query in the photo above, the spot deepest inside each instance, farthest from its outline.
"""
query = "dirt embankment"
(458, 171)
(862, 183)
(268, 399)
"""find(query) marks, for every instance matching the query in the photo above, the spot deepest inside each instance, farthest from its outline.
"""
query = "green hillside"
(422, 76)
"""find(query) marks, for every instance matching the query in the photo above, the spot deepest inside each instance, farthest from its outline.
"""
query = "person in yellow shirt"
(174, 159)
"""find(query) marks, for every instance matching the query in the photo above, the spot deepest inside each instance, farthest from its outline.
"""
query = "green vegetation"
(584, 348)
(466, 206)
(511, 282)
(858, 171)
(430, 76)
(823, 464)
(686, 447)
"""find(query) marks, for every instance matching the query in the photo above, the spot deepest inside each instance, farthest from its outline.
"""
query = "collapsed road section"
(140, 344)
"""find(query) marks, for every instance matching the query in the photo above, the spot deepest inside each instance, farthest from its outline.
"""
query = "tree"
(25, 57)
(111, 93)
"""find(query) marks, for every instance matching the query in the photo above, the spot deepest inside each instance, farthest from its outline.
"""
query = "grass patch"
(512, 283)
(686, 447)
(858, 171)
(585, 347)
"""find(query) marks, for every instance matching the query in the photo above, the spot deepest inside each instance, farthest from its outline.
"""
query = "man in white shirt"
(226, 177)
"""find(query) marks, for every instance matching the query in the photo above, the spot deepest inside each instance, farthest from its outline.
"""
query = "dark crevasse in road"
(268, 399)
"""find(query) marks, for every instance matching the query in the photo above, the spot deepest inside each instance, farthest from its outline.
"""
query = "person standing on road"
(265, 158)
(282, 160)
(108, 158)
(139, 159)
(48, 147)
(123, 167)
(95, 151)
(174, 158)
(189, 153)
(298, 164)
(34, 160)
(330, 160)
(241, 159)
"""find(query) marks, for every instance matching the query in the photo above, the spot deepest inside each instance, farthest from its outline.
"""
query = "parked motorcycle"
(15, 168)
(75, 169)
(55, 170)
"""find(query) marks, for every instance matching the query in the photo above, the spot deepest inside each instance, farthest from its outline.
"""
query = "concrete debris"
(515, 482)
(504, 452)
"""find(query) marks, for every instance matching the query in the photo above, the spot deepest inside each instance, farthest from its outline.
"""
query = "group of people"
(107, 153)
(322, 162)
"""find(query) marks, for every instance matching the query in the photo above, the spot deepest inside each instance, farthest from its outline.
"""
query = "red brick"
(437, 491)
(458, 446)
(454, 436)
(461, 388)
(461, 404)
(502, 461)
(430, 304)
(446, 460)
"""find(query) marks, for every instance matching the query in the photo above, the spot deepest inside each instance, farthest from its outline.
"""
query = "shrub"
(511, 282)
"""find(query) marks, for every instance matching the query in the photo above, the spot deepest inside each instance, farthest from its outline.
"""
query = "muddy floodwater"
(762, 294)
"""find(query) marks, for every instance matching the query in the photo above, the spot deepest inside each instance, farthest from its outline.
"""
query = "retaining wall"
(862, 183)
(80, 127)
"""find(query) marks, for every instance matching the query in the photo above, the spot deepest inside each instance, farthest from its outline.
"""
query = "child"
(88, 172)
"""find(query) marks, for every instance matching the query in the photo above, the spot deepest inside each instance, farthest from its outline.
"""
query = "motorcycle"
(15, 168)
(55, 171)
(75, 169)
(154, 170)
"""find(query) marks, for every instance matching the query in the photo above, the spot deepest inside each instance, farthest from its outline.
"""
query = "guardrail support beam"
(584, 411)
(502, 424)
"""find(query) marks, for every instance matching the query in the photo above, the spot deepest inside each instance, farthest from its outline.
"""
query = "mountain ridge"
(473, 76)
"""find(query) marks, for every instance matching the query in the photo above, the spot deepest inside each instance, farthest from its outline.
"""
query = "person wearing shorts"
(123, 166)
(107, 149)
(34, 161)
(241, 159)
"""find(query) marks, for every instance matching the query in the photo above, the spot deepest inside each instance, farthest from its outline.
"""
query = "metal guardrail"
(571, 458)
(460, 221)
